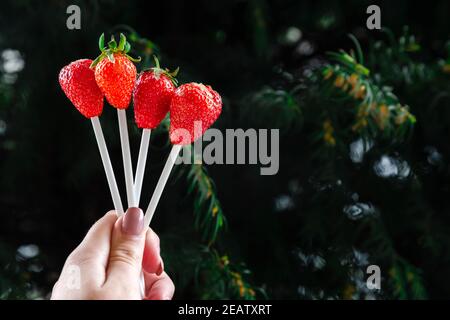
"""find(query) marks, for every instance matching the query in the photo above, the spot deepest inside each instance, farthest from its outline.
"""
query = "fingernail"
(160, 268)
(133, 221)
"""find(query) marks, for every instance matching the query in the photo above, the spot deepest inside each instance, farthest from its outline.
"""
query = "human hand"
(107, 264)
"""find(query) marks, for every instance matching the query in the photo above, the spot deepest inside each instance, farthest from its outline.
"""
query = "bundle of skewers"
(154, 92)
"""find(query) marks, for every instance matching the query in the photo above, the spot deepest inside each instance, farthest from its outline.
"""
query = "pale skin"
(109, 262)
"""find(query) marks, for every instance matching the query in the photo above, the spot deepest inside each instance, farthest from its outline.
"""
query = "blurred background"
(364, 173)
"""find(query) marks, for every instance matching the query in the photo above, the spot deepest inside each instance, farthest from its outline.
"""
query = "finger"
(88, 261)
(97, 242)
(152, 261)
(158, 287)
(127, 248)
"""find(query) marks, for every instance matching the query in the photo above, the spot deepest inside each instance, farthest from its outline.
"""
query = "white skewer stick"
(140, 169)
(107, 165)
(161, 183)
(111, 178)
(138, 179)
(126, 155)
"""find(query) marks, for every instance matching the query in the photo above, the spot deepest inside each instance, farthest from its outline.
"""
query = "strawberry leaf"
(112, 44)
(101, 42)
(127, 47)
(122, 42)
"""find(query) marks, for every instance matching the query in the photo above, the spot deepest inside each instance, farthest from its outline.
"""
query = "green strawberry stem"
(112, 48)
(171, 75)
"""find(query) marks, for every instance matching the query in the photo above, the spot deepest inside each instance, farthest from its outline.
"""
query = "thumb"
(127, 248)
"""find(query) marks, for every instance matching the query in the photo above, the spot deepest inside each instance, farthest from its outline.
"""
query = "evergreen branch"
(209, 217)
(224, 279)
(406, 281)
(276, 109)
(376, 110)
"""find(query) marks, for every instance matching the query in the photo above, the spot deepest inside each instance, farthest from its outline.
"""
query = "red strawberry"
(152, 96)
(115, 73)
(193, 102)
(78, 83)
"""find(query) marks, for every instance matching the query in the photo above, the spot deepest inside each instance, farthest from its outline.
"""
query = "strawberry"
(152, 96)
(78, 83)
(193, 102)
(115, 72)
